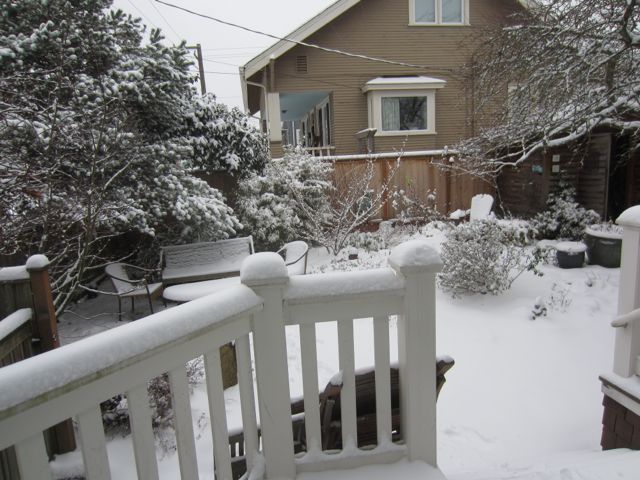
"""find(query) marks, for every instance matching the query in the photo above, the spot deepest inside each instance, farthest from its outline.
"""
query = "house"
(377, 76)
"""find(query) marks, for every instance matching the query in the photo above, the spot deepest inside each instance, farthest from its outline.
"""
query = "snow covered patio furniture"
(196, 262)
(330, 415)
(481, 205)
(126, 287)
(295, 256)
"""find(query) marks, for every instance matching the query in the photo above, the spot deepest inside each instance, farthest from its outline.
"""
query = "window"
(435, 12)
(404, 113)
(402, 105)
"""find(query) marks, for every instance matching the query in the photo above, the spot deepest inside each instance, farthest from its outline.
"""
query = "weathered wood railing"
(73, 380)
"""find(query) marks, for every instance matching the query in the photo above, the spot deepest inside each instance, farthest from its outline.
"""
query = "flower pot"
(603, 246)
(570, 254)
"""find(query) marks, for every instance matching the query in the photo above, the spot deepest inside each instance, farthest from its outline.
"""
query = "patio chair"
(295, 257)
(126, 287)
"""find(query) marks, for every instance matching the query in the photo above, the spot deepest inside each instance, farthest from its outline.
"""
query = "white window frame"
(380, 88)
(438, 20)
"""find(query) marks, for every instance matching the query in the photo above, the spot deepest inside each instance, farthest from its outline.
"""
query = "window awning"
(403, 83)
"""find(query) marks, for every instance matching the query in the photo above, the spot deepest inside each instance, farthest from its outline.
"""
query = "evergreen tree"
(97, 138)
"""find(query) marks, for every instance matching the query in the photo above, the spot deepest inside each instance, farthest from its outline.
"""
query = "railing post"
(419, 264)
(46, 323)
(267, 275)
(61, 439)
(627, 347)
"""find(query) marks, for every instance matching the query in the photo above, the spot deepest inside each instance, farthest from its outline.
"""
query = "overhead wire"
(165, 20)
(297, 42)
(149, 21)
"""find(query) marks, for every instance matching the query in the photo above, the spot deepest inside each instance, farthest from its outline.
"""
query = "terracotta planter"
(603, 246)
(570, 254)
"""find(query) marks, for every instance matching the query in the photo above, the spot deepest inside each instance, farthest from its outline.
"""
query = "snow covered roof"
(399, 83)
(309, 28)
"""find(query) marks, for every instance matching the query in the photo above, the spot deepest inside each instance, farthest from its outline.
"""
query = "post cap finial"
(630, 217)
(415, 256)
(264, 268)
(37, 262)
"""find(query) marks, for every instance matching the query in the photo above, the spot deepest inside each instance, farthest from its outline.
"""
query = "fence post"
(267, 275)
(61, 438)
(418, 263)
(627, 347)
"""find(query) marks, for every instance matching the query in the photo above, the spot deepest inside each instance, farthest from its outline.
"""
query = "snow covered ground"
(522, 391)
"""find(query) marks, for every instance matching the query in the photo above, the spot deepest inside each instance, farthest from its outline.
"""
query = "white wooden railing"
(73, 380)
(627, 348)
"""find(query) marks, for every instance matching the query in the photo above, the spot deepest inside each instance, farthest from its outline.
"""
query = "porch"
(72, 381)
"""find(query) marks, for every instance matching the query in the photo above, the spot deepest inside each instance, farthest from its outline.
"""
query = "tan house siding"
(381, 28)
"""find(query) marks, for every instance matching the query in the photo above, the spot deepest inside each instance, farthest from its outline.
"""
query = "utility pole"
(198, 49)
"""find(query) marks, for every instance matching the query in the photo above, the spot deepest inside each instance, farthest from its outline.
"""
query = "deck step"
(402, 470)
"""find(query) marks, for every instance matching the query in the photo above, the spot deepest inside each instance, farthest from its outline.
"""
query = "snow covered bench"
(195, 262)
(295, 257)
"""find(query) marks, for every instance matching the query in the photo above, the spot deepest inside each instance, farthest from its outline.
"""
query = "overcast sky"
(224, 47)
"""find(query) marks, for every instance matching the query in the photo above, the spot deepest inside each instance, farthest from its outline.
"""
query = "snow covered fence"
(73, 380)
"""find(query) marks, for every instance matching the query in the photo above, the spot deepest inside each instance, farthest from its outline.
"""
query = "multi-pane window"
(437, 11)
(404, 113)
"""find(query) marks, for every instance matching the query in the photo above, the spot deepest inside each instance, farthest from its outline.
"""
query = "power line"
(165, 20)
(149, 21)
(208, 60)
(222, 73)
(297, 42)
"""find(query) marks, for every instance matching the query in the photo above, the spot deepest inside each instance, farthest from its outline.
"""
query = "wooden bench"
(196, 262)
(330, 420)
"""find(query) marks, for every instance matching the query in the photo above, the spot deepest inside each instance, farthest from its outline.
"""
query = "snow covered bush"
(286, 201)
(479, 257)
(222, 139)
(563, 217)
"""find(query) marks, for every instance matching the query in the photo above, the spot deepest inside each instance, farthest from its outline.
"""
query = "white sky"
(224, 47)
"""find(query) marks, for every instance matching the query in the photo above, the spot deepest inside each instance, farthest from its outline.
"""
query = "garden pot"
(603, 246)
(570, 254)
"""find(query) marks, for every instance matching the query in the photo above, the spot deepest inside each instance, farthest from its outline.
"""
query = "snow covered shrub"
(479, 257)
(563, 217)
(410, 206)
(287, 201)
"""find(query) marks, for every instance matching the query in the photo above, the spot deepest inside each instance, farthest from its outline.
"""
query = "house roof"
(309, 28)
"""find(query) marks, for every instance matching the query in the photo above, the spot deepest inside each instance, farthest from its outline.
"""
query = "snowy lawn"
(521, 391)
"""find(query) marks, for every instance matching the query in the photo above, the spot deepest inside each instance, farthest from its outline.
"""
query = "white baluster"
(309, 354)
(383, 379)
(32, 458)
(247, 400)
(183, 424)
(94, 449)
(348, 392)
(218, 414)
(142, 432)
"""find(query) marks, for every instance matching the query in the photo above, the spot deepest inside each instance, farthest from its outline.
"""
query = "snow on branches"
(560, 71)
(98, 138)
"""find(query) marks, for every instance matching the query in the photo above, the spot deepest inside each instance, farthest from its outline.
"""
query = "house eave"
(309, 28)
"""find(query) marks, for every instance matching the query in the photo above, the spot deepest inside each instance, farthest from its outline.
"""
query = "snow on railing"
(73, 380)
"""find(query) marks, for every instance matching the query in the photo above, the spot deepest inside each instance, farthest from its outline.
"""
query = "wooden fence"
(28, 326)
(417, 176)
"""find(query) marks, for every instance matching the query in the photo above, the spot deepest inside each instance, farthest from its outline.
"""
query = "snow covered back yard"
(522, 391)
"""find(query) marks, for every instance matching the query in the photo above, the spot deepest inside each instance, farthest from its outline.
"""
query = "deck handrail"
(72, 381)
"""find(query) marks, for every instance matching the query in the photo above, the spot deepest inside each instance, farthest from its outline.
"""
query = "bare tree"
(560, 71)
